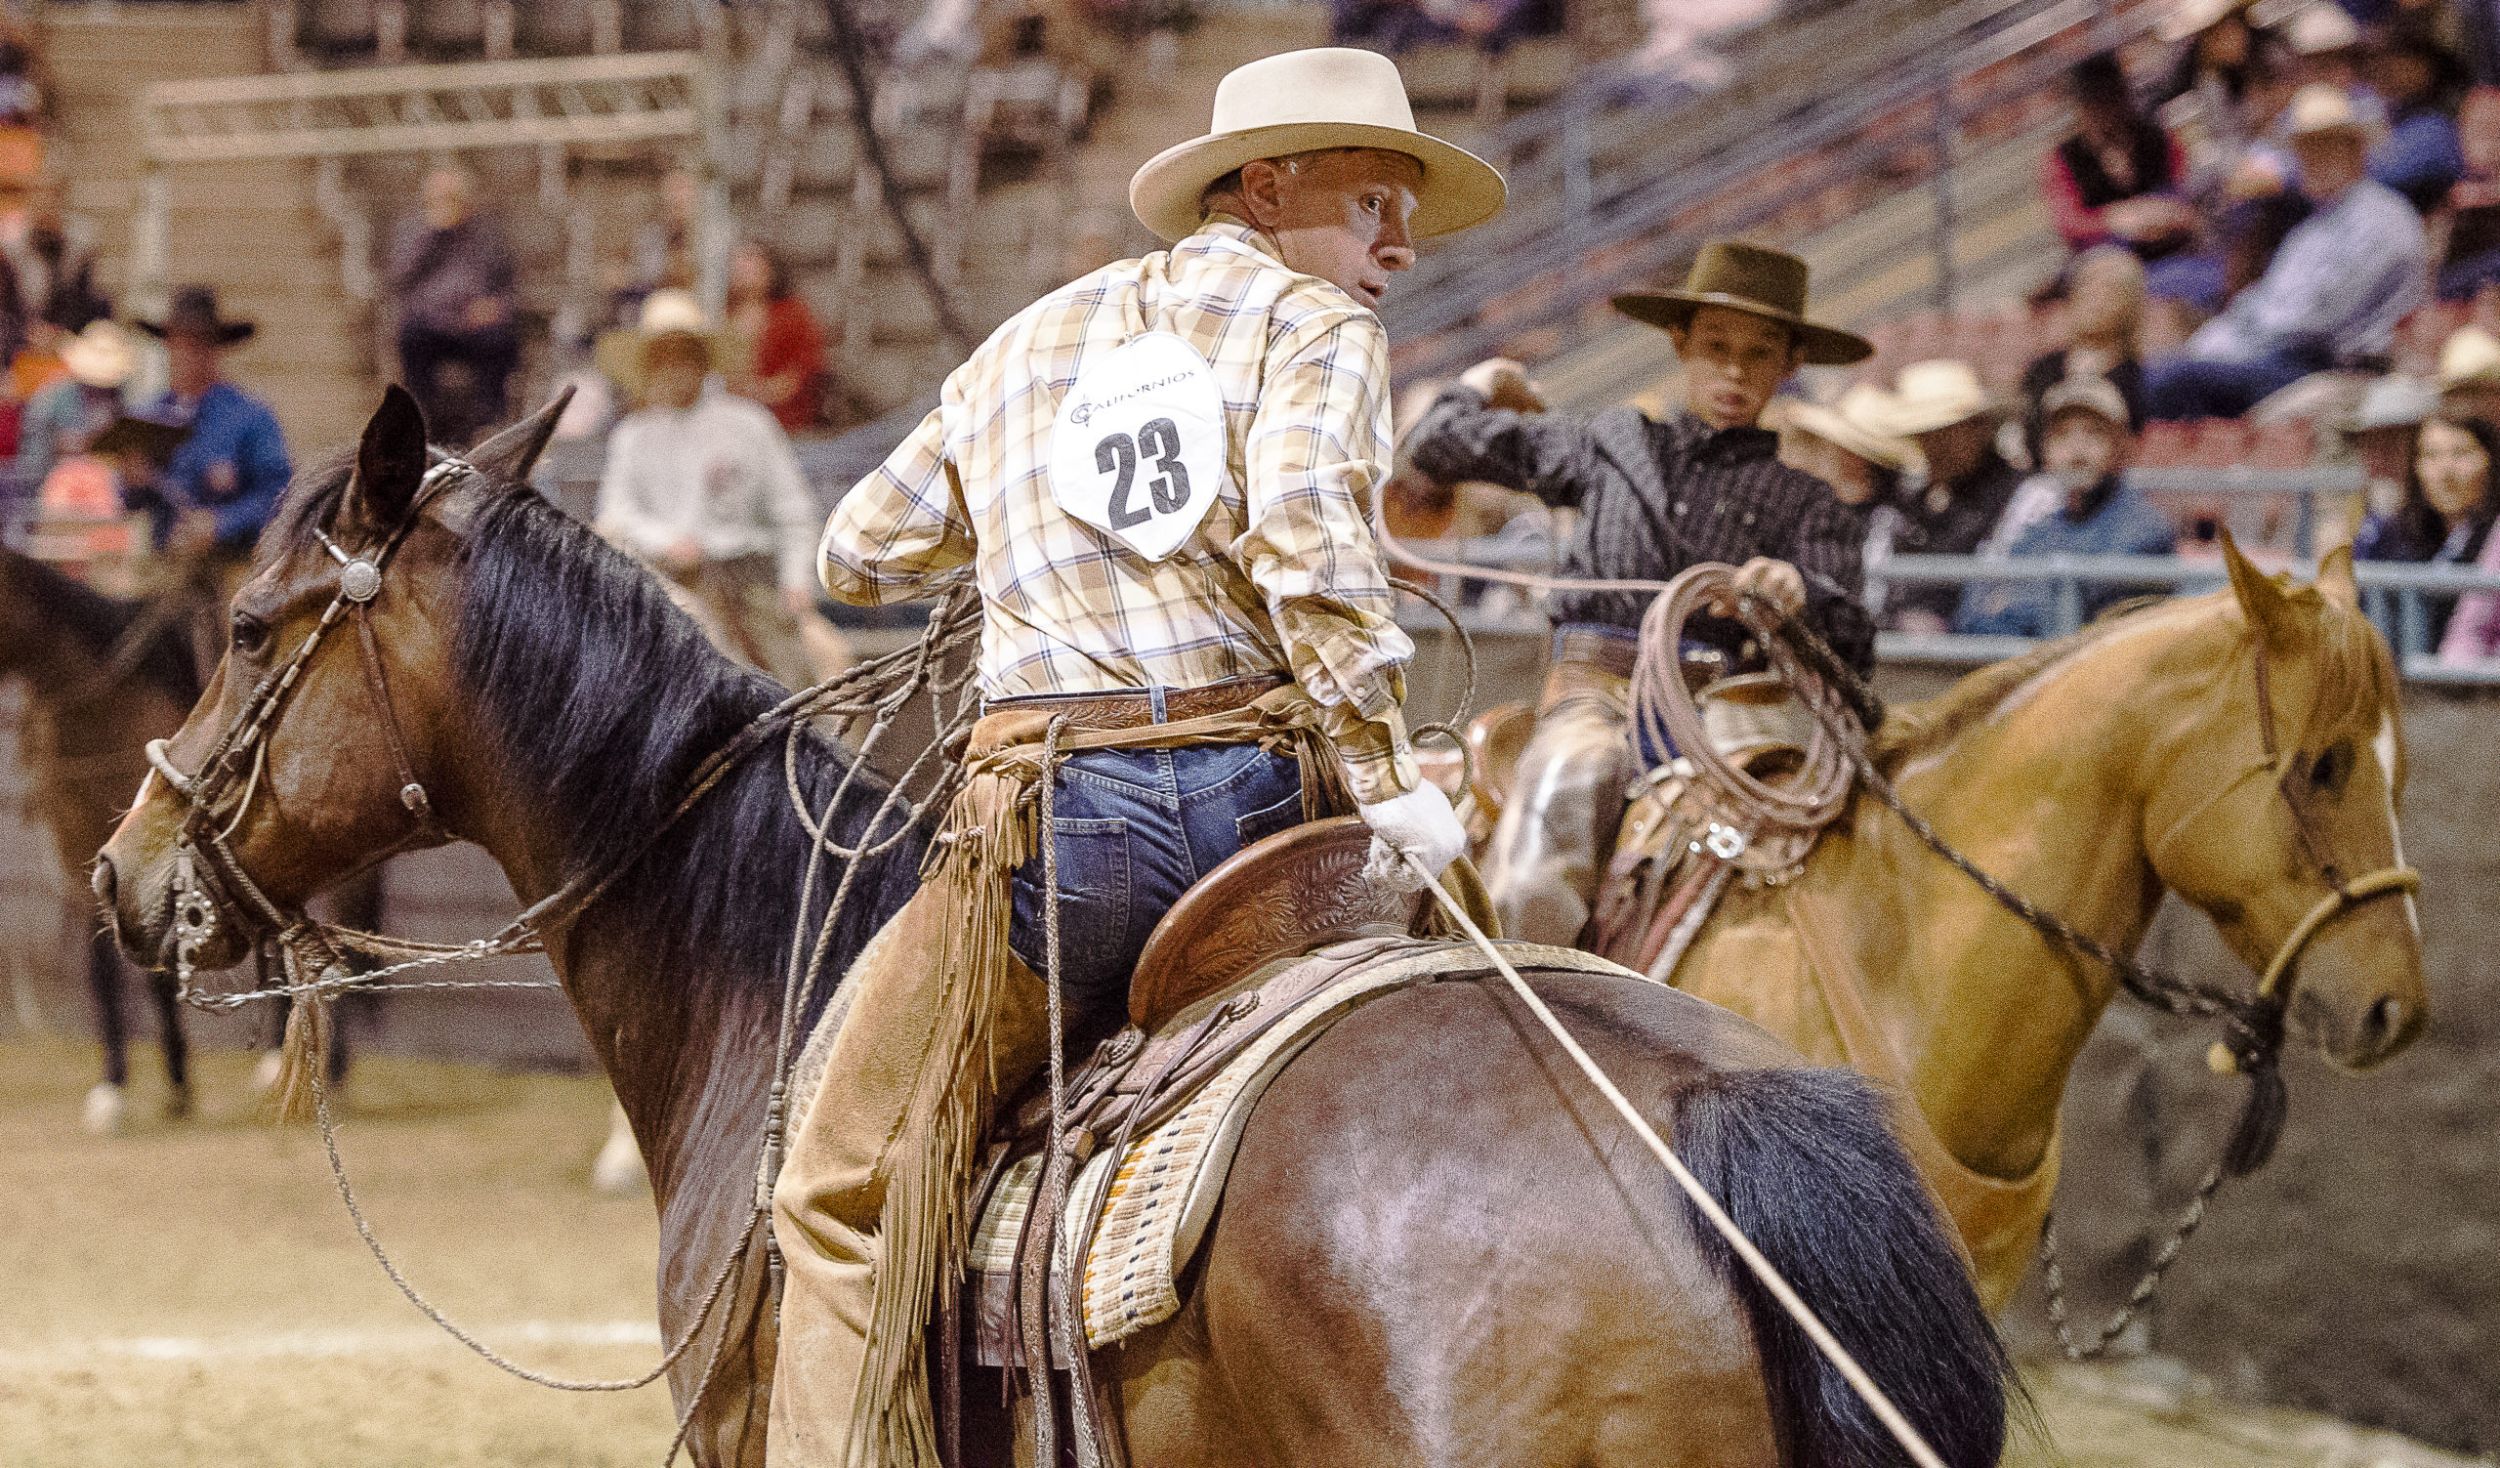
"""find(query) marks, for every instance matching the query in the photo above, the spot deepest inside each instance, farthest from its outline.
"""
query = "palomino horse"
(102, 676)
(2241, 749)
(1438, 1248)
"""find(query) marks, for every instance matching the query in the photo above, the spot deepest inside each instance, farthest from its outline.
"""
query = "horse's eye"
(2332, 768)
(251, 635)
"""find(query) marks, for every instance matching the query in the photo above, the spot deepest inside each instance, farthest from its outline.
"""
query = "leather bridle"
(2291, 786)
(220, 795)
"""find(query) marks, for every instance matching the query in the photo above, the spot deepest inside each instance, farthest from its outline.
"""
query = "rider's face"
(1733, 362)
(1342, 215)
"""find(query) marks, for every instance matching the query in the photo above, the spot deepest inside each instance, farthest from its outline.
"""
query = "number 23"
(1118, 453)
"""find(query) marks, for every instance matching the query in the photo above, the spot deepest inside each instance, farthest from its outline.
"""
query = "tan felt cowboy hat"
(101, 356)
(1300, 102)
(2319, 108)
(2470, 357)
(1758, 281)
(1859, 423)
(1937, 394)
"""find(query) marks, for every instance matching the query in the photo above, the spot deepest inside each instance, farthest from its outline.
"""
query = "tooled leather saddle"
(1267, 929)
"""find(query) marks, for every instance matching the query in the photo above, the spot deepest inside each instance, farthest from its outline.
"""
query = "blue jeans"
(2192, 387)
(1134, 830)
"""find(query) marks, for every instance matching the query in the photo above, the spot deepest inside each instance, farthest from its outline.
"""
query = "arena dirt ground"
(191, 1293)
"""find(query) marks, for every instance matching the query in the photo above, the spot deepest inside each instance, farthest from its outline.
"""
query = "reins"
(1844, 706)
(207, 869)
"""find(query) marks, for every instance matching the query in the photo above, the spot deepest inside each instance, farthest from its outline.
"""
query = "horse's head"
(2274, 811)
(320, 746)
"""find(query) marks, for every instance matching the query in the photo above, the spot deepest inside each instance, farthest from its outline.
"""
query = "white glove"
(1419, 823)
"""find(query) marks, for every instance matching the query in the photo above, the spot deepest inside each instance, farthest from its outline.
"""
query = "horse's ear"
(2262, 600)
(2335, 579)
(508, 457)
(390, 464)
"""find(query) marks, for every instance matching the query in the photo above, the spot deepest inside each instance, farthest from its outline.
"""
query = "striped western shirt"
(1281, 576)
(1657, 496)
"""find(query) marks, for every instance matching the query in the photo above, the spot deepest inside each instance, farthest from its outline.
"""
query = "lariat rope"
(1763, 1270)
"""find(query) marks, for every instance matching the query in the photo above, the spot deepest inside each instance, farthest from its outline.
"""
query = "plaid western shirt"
(1283, 574)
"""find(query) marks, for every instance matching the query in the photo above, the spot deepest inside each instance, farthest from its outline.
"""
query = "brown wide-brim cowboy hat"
(194, 313)
(145, 439)
(1756, 280)
(1301, 102)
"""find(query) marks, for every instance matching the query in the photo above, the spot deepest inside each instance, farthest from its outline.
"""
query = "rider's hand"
(1505, 384)
(1775, 583)
(1419, 822)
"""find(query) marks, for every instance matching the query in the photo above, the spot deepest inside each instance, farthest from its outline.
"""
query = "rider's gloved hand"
(1420, 822)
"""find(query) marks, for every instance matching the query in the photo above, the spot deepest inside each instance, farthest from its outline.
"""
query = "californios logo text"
(1138, 451)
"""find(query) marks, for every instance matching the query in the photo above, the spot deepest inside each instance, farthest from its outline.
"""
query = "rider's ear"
(390, 463)
(2335, 579)
(2262, 599)
(508, 457)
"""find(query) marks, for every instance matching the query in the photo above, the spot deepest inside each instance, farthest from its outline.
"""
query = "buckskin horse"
(1438, 1249)
(2243, 749)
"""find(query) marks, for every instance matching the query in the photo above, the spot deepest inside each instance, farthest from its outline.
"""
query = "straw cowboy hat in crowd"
(1301, 102)
(2195, 18)
(1860, 423)
(1756, 280)
(102, 356)
(2097, 396)
(2318, 109)
(2322, 30)
(667, 314)
(2470, 357)
(1939, 393)
(194, 314)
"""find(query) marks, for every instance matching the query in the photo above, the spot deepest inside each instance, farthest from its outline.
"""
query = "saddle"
(1250, 966)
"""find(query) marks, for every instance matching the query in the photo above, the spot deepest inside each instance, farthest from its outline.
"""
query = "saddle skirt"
(1142, 1209)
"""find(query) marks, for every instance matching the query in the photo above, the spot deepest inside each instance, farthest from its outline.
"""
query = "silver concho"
(360, 580)
(1725, 842)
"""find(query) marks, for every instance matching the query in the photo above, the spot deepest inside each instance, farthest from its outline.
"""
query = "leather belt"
(1137, 710)
(1601, 648)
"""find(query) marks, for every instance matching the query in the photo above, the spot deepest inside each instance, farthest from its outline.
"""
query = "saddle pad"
(1155, 1199)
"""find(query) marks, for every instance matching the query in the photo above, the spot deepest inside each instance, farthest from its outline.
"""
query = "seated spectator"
(2105, 293)
(702, 484)
(452, 279)
(2472, 637)
(778, 345)
(25, 106)
(2469, 251)
(2381, 434)
(2331, 51)
(65, 417)
(221, 486)
(1399, 26)
(2469, 374)
(2333, 294)
(2446, 516)
(1850, 445)
(1954, 506)
(2086, 446)
(2213, 63)
(2119, 177)
(52, 255)
(2421, 157)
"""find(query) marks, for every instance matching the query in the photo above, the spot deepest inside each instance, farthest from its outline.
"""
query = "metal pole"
(1944, 214)
(712, 221)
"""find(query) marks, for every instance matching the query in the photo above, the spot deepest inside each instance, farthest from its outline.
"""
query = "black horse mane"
(98, 621)
(606, 698)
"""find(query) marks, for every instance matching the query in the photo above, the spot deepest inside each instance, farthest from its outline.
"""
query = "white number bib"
(1139, 450)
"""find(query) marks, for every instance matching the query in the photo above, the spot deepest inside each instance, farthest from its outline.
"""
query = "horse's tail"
(1804, 1163)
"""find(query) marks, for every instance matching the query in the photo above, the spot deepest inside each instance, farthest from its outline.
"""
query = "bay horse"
(1438, 1249)
(2092, 775)
(102, 677)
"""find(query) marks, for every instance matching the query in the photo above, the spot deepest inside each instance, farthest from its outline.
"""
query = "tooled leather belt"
(1136, 710)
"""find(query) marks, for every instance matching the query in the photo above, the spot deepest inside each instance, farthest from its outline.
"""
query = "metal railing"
(1583, 224)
